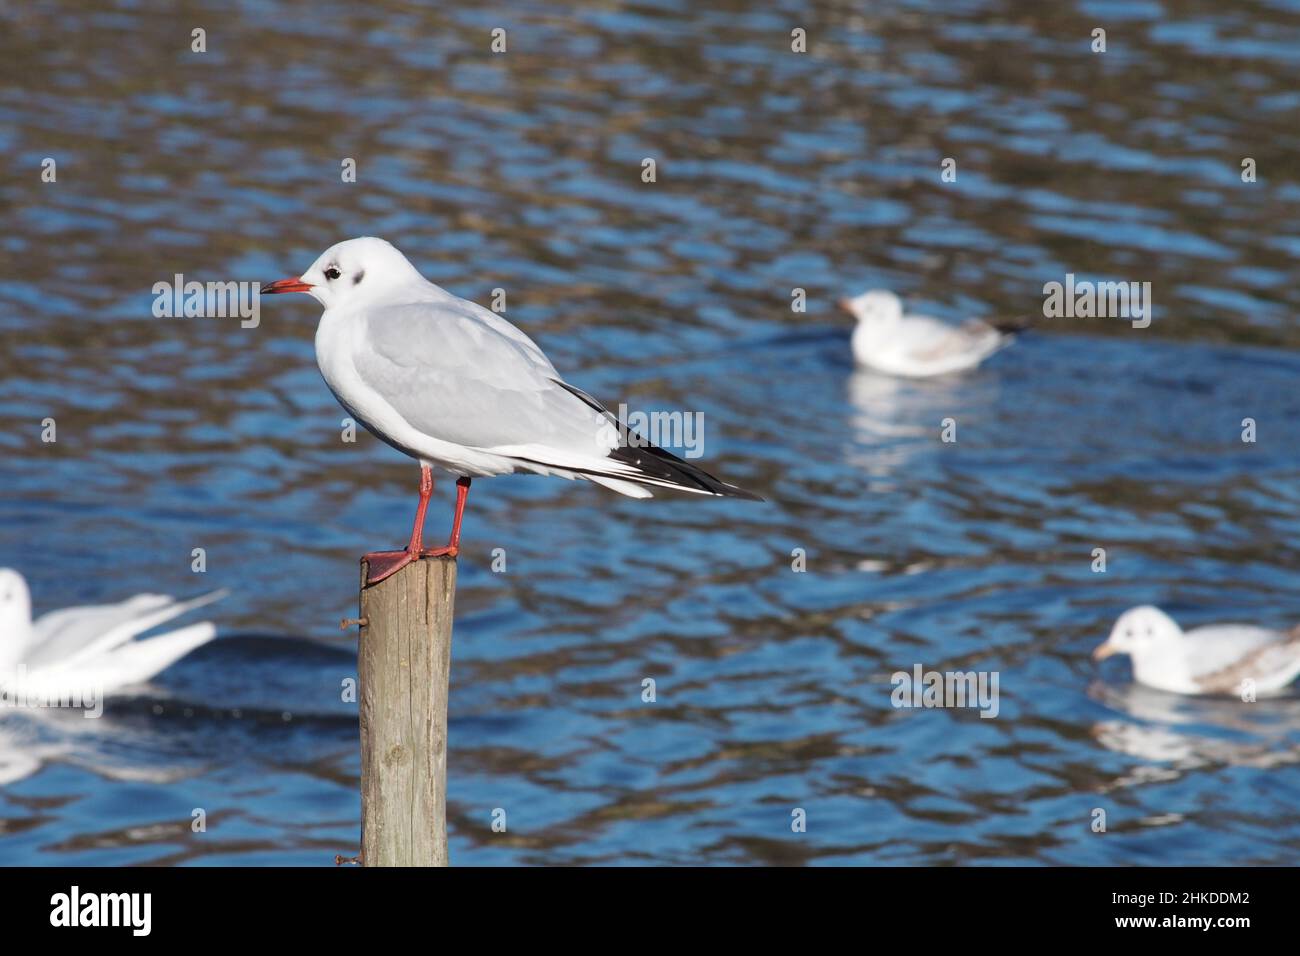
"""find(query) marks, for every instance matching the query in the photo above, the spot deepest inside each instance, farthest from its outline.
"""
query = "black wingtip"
(1012, 326)
(666, 469)
(663, 468)
(735, 491)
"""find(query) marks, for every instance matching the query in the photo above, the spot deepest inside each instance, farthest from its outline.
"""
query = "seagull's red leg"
(462, 494)
(453, 543)
(426, 489)
(383, 564)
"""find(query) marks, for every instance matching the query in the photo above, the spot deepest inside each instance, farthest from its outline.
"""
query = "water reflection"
(777, 171)
(895, 420)
(1185, 733)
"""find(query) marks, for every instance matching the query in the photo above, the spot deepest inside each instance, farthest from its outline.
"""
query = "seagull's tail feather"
(651, 465)
(629, 471)
(647, 464)
(1012, 325)
(629, 488)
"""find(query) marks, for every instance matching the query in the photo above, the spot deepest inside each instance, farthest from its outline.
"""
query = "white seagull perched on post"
(1205, 660)
(460, 389)
(79, 647)
(917, 346)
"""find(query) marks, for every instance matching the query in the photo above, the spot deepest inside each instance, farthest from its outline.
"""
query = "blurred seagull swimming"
(1205, 660)
(91, 646)
(459, 388)
(916, 346)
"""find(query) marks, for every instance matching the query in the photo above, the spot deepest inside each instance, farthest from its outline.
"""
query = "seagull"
(82, 647)
(458, 388)
(916, 346)
(1205, 660)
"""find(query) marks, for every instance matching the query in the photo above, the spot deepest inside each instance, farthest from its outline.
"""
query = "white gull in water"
(90, 647)
(459, 388)
(916, 346)
(1205, 660)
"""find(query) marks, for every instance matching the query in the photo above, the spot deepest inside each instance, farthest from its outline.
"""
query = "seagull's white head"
(15, 619)
(351, 272)
(877, 307)
(1138, 631)
(15, 602)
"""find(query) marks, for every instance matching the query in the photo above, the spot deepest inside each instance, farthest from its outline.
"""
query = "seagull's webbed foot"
(384, 564)
(449, 552)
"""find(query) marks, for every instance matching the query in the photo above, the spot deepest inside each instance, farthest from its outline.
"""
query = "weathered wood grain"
(404, 667)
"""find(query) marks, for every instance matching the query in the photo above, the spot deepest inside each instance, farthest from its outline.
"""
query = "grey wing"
(1217, 648)
(461, 374)
(932, 340)
(76, 633)
(59, 635)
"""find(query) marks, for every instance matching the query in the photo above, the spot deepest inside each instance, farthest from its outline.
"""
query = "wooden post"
(404, 666)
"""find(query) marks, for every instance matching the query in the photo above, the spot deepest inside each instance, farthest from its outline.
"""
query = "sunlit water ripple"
(776, 171)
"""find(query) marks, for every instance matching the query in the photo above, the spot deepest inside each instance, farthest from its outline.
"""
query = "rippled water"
(776, 170)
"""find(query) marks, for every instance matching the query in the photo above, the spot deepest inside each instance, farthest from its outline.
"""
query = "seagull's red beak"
(286, 285)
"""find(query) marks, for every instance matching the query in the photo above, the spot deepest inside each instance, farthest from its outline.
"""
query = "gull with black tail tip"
(458, 388)
(917, 346)
(1217, 659)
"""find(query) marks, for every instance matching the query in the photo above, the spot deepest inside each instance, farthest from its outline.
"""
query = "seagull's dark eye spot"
(361, 274)
(332, 273)
(1128, 632)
